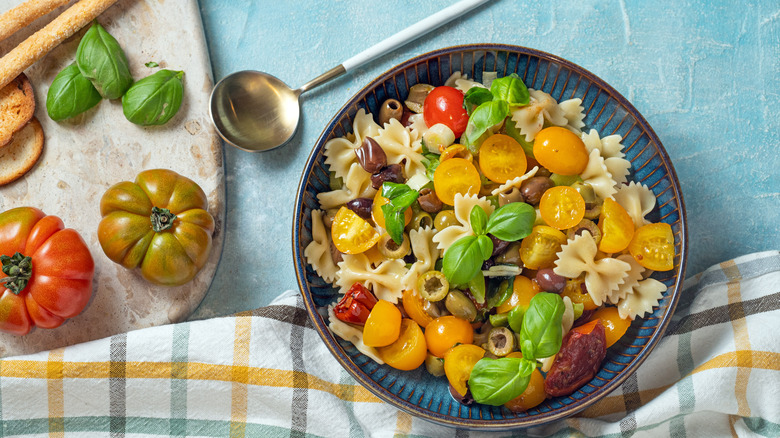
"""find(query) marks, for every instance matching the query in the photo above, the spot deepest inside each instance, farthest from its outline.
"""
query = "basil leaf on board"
(475, 97)
(155, 99)
(483, 118)
(512, 222)
(431, 162)
(497, 381)
(462, 260)
(541, 334)
(515, 318)
(478, 220)
(497, 295)
(103, 62)
(510, 89)
(152, 64)
(70, 94)
(511, 130)
(486, 246)
(401, 196)
(477, 287)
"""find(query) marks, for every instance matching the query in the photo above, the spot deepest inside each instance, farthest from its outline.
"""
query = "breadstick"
(24, 14)
(40, 43)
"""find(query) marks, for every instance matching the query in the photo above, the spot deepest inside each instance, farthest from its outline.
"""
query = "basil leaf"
(431, 162)
(515, 318)
(394, 223)
(70, 94)
(512, 222)
(462, 260)
(478, 218)
(485, 246)
(391, 190)
(475, 97)
(152, 64)
(510, 89)
(483, 118)
(401, 197)
(497, 381)
(103, 62)
(511, 130)
(155, 99)
(500, 294)
(541, 334)
(477, 287)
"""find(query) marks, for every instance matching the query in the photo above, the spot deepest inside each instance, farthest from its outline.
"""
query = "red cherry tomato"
(445, 105)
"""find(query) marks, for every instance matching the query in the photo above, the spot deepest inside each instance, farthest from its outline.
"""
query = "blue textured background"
(706, 75)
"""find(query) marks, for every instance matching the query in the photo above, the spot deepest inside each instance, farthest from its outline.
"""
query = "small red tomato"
(445, 105)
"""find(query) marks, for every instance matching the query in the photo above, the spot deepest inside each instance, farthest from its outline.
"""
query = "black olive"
(371, 156)
(549, 281)
(361, 207)
(429, 202)
(467, 399)
(499, 246)
(392, 173)
(532, 189)
(488, 264)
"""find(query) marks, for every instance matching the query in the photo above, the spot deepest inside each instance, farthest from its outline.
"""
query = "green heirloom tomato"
(159, 224)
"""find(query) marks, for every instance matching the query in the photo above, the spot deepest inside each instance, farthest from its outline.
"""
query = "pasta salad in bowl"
(489, 236)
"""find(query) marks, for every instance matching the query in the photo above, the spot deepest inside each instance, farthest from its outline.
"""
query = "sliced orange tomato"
(383, 325)
(560, 151)
(501, 158)
(538, 250)
(653, 246)
(379, 216)
(586, 328)
(408, 351)
(446, 332)
(351, 233)
(523, 289)
(533, 395)
(455, 151)
(617, 227)
(573, 290)
(458, 363)
(415, 305)
(453, 176)
(614, 326)
(562, 207)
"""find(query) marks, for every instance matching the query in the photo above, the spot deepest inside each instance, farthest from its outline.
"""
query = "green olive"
(586, 190)
(460, 305)
(593, 212)
(335, 182)
(585, 225)
(388, 248)
(511, 255)
(433, 286)
(420, 220)
(434, 365)
(501, 341)
(444, 219)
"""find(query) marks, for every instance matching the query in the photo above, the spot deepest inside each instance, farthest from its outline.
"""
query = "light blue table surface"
(706, 75)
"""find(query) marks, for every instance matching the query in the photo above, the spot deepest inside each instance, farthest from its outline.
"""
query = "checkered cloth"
(267, 373)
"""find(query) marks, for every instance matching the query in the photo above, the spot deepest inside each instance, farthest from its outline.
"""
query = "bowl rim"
(471, 423)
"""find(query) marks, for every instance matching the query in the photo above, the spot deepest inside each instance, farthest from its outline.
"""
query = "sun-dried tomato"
(577, 362)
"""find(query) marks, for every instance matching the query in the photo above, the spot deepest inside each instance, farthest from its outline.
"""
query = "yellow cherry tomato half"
(455, 151)
(501, 158)
(408, 351)
(574, 290)
(454, 176)
(653, 246)
(617, 227)
(614, 326)
(351, 233)
(383, 325)
(523, 289)
(379, 216)
(562, 207)
(560, 151)
(415, 307)
(458, 363)
(538, 250)
(446, 332)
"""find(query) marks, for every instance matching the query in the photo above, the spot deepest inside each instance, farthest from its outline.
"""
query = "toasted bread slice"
(17, 105)
(21, 154)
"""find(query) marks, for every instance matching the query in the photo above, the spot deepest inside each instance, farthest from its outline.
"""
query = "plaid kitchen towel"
(267, 373)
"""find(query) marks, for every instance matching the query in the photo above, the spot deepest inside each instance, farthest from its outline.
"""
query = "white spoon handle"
(411, 33)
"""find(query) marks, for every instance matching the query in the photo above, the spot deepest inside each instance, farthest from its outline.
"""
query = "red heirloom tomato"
(445, 105)
(159, 223)
(47, 271)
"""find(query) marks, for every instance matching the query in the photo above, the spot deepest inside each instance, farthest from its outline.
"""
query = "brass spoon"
(255, 111)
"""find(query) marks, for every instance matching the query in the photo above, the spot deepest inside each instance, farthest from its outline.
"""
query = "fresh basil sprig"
(431, 162)
(486, 110)
(464, 258)
(103, 62)
(70, 94)
(497, 381)
(541, 333)
(401, 197)
(155, 99)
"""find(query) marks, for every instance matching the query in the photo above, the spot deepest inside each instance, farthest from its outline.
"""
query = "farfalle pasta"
(462, 232)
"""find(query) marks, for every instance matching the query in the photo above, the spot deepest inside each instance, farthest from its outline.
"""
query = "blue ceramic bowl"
(417, 392)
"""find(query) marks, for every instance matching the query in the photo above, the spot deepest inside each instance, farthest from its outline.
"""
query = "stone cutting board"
(85, 156)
